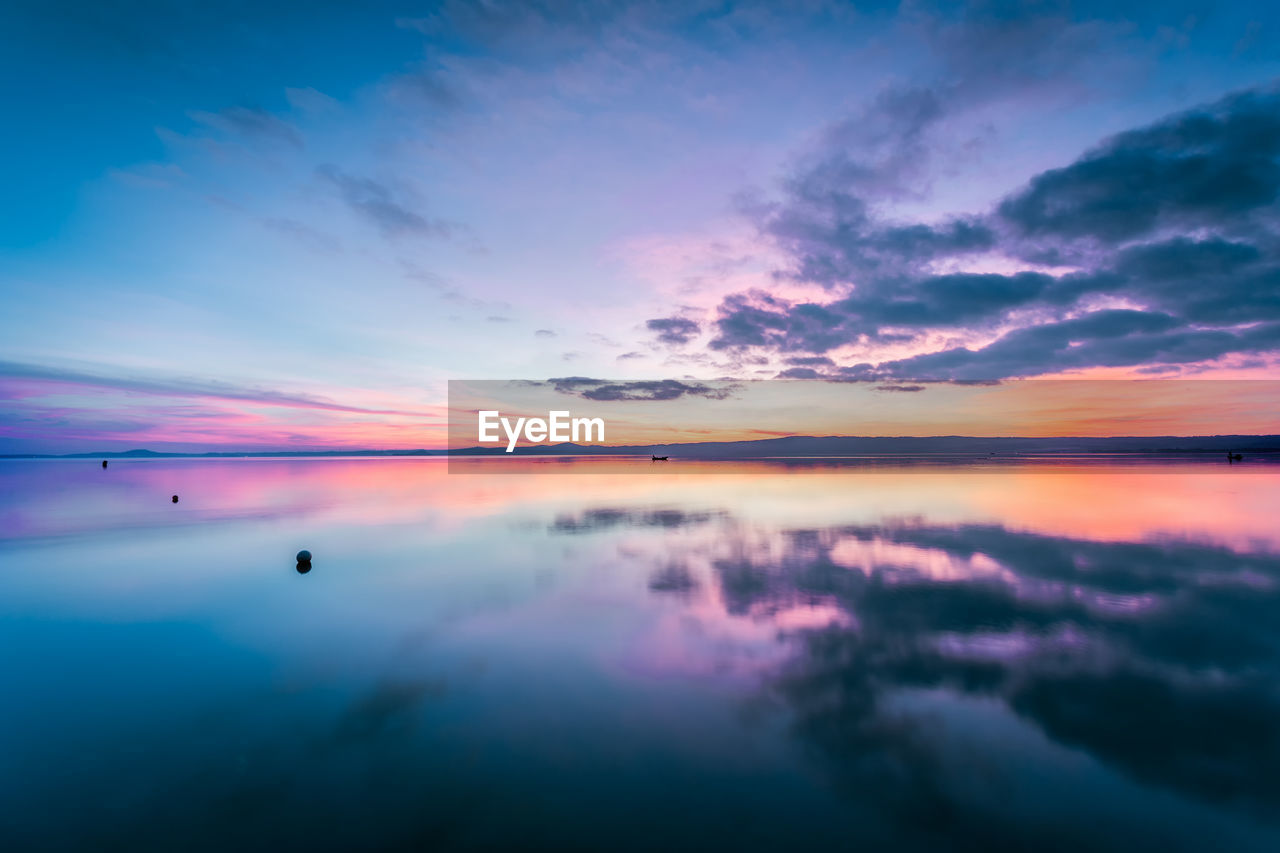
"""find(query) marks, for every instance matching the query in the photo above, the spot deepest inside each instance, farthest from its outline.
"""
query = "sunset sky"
(286, 225)
(673, 411)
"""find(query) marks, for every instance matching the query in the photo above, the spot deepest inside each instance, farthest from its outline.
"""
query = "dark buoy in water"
(104, 463)
(303, 568)
(175, 498)
(304, 556)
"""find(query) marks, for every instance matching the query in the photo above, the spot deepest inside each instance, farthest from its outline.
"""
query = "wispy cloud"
(184, 387)
(250, 123)
(379, 205)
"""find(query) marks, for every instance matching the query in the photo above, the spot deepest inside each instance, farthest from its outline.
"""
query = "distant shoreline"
(785, 447)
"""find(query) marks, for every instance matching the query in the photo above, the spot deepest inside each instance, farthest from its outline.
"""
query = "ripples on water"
(1053, 655)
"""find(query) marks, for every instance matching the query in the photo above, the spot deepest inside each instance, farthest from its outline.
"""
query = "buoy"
(303, 568)
(304, 556)
(104, 463)
(175, 498)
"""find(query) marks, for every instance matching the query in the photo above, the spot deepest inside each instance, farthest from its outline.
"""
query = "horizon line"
(545, 447)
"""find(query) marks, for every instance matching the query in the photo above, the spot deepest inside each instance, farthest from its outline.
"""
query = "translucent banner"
(674, 421)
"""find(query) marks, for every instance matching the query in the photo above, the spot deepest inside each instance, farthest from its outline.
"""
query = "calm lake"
(747, 655)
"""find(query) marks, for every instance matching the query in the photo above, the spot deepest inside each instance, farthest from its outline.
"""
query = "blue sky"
(264, 225)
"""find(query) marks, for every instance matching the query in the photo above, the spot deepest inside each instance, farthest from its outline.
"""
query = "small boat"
(1233, 457)
(660, 458)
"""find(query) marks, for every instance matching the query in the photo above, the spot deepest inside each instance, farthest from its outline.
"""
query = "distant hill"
(257, 454)
(793, 446)
(833, 446)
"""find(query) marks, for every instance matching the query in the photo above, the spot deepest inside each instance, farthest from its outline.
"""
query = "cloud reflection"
(1159, 659)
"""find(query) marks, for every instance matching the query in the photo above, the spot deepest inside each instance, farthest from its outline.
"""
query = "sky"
(287, 225)
(659, 413)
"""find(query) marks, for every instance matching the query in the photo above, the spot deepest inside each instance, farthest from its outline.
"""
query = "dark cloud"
(1210, 167)
(875, 312)
(656, 389)
(1177, 221)
(674, 330)
(901, 389)
(810, 361)
(1115, 338)
(378, 204)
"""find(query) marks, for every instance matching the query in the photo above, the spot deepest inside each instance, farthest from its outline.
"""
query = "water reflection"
(1050, 656)
(1161, 659)
(605, 518)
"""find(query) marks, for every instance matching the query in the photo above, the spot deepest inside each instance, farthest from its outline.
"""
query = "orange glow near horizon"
(94, 420)
(1114, 502)
(772, 408)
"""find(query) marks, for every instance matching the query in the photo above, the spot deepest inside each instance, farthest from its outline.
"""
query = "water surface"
(1058, 654)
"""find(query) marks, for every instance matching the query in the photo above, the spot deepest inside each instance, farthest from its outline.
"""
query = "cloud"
(884, 312)
(1169, 232)
(377, 203)
(991, 49)
(250, 123)
(827, 222)
(150, 175)
(602, 340)
(432, 87)
(183, 387)
(310, 238)
(544, 333)
(658, 389)
(1115, 338)
(675, 331)
(309, 100)
(831, 218)
(1210, 167)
